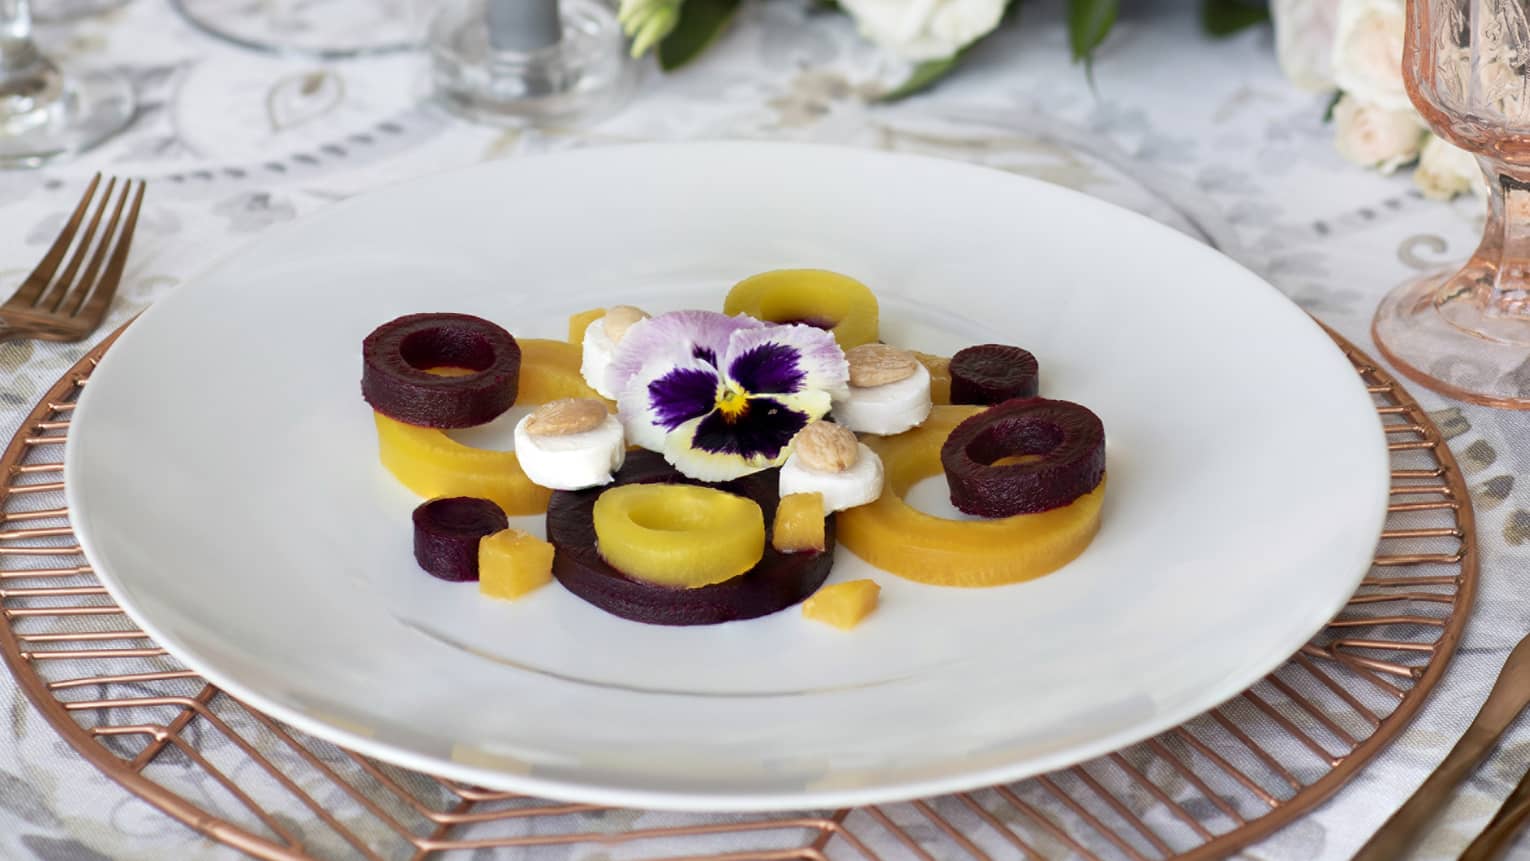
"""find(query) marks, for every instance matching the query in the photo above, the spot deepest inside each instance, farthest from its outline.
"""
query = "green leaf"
(700, 23)
(1226, 17)
(1332, 103)
(1089, 22)
(923, 77)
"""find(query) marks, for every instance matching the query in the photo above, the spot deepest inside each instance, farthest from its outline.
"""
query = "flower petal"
(663, 396)
(714, 448)
(783, 360)
(673, 336)
(813, 404)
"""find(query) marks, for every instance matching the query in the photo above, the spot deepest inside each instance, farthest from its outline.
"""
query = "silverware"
(1498, 837)
(70, 306)
(1509, 696)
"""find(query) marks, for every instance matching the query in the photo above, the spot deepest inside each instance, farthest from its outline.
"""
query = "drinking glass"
(1466, 333)
(318, 29)
(45, 112)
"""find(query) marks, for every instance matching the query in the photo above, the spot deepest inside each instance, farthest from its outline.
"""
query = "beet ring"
(993, 373)
(1061, 447)
(447, 532)
(398, 356)
(778, 581)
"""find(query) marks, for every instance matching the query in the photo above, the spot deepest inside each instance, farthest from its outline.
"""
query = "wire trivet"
(1200, 791)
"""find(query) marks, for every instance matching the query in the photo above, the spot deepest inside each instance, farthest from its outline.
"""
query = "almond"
(879, 364)
(621, 318)
(827, 447)
(566, 416)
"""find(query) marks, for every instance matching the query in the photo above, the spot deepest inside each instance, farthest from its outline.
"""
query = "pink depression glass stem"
(1496, 279)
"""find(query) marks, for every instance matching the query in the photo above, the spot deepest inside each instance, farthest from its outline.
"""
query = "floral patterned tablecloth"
(1204, 135)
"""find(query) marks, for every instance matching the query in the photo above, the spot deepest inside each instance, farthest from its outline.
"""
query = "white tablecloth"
(1202, 134)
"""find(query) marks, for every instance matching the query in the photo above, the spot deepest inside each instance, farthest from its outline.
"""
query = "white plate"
(223, 478)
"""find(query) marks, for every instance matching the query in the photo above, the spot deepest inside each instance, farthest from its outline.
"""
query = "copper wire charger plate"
(1200, 791)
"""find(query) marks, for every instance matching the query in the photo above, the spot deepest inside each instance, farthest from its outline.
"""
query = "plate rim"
(733, 801)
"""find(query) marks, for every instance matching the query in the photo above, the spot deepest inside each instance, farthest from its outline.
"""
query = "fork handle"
(1500, 834)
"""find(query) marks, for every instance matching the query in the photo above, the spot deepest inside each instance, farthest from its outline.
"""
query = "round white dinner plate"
(222, 474)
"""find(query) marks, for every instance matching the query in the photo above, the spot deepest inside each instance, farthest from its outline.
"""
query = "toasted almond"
(879, 364)
(566, 416)
(827, 447)
(621, 318)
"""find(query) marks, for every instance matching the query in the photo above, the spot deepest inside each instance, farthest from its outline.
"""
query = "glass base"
(57, 11)
(51, 114)
(1445, 340)
(322, 29)
(583, 75)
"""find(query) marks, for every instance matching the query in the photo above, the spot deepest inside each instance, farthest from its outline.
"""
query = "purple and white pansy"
(722, 397)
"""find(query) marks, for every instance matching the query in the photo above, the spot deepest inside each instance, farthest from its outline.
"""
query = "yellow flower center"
(732, 403)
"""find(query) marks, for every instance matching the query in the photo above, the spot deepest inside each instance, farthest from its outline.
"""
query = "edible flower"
(722, 397)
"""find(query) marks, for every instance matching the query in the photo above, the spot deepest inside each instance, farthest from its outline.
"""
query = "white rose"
(1445, 170)
(1372, 136)
(1304, 34)
(919, 30)
(1368, 50)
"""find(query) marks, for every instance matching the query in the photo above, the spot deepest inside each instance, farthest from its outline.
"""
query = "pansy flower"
(720, 396)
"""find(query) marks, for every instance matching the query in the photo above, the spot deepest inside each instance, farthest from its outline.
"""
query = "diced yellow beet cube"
(842, 605)
(512, 563)
(581, 321)
(799, 523)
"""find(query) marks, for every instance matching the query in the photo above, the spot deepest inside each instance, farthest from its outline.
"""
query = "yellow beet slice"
(843, 605)
(450, 372)
(581, 321)
(432, 464)
(550, 371)
(799, 523)
(512, 563)
(817, 296)
(940, 376)
(678, 534)
(894, 536)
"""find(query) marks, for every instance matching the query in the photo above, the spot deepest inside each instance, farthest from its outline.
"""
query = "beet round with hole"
(398, 355)
(993, 373)
(1062, 443)
(778, 581)
(447, 532)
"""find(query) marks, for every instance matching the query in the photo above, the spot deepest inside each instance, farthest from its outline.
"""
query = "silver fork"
(70, 306)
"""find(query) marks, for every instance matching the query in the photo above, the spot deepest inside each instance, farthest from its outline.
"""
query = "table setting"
(1239, 577)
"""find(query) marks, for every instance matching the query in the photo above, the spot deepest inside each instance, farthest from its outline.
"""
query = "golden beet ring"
(817, 297)
(398, 356)
(894, 536)
(1062, 443)
(430, 463)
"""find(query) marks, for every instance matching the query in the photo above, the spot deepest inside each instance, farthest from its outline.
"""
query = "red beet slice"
(777, 582)
(447, 531)
(993, 373)
(398, 355)
(1067, 440)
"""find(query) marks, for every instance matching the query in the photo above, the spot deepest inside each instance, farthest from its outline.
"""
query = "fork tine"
(71, 302)
(101, 298)
(26, 295)
(53, 298)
